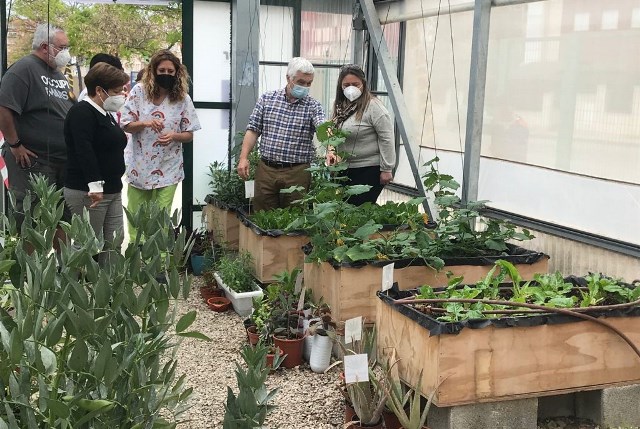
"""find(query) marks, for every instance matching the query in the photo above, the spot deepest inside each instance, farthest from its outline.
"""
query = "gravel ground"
(305, 399)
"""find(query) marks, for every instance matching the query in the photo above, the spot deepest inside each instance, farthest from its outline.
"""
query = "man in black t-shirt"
(34, 100)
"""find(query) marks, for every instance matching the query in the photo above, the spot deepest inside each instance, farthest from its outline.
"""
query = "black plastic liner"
(211, 199)
(245, 220)
(514, 254)
(436, 327)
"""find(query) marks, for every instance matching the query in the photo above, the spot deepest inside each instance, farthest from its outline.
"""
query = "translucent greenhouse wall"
(561, 135)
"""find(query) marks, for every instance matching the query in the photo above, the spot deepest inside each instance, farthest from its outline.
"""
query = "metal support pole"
(357, 36)
(245, 51)
(475, 107)
(390, 77)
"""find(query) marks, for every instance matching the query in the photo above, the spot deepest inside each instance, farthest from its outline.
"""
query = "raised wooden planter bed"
(273, 251)
(223, 222)
(351, 290)
(508, 358)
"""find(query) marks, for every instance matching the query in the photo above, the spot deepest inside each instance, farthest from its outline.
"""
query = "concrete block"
(611, 407)
(556, 406)
(516, 414)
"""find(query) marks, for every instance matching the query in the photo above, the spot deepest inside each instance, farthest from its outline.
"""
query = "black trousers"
(364, 176)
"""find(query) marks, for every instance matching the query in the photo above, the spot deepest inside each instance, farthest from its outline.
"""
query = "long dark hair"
(341, 102)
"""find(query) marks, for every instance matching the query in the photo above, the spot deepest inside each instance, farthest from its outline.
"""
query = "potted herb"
(234, 276)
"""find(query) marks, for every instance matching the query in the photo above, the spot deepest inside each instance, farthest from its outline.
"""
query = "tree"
(118, 29)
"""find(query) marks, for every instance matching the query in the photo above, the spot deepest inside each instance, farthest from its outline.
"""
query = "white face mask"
(113, 103)
(63, 58)
(352, 93)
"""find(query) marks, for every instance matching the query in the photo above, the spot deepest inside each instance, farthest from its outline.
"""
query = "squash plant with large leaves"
(91, 346)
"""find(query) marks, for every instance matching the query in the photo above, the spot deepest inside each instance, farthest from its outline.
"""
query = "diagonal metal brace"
(395, 92)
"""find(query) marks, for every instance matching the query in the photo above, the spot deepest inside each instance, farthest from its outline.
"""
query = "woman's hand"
(385, 177)
(155, 124)
(96, 197)
(167, 138)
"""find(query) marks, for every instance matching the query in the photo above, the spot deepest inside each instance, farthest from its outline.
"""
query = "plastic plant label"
(353, 330)
(249, 188)
(298, 282)
(301, 299)
(356, 368)
(387, 276)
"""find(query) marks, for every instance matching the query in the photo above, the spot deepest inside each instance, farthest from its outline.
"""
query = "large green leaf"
(79, 356)
(186, 321)
(58, 408)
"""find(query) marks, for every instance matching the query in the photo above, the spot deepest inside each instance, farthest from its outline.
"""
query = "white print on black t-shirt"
(53, 86)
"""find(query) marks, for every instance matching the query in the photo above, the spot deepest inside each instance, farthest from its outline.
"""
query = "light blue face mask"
(299, 91)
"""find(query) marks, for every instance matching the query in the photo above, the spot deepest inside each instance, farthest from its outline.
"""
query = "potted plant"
(200, 246)
(209, 287)
(234, 276)
(407, 404)
(258, 322)
(227, 196)
(285, 323)
(250, 407)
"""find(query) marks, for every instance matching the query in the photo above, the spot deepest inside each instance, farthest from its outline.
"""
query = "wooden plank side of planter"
(224, 224)
(493, 364)
(272, 255)
(351, 292)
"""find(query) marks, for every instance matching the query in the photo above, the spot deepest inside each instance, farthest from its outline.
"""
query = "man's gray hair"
(44, 34)
(299, 64)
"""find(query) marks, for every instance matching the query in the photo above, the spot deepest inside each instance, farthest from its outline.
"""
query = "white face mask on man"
(62, 58)
(352, 93)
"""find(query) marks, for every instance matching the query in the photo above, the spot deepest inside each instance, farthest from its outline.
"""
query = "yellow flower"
(425, 218)
(381, 256)
(340, 242)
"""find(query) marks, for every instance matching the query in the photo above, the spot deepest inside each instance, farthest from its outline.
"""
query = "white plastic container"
(320, 353)
(242, 301)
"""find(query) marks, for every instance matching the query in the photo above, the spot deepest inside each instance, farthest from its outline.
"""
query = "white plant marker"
(356, 368)
(249, 188)
(353, 330)
(387, 276)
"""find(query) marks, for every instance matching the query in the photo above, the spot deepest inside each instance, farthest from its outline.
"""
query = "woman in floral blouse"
(161, 118)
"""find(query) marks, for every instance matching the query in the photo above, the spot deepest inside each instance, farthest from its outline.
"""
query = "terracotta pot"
(207, 292)
(291, 348)
(270, 357)
(253, 335)
(349, 412)
(218, 304)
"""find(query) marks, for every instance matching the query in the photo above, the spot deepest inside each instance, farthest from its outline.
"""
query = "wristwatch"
(18, 143)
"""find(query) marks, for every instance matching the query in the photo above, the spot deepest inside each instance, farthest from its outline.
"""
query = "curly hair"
(179, 90)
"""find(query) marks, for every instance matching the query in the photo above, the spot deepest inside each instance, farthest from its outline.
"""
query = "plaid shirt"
(286, 128)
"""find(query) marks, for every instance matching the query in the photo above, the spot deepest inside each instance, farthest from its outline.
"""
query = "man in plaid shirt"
(285, 120)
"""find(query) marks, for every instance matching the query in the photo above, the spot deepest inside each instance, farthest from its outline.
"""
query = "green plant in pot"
(227, 188)
(285, 323)
(407, 404)
(250, 407)
(234, 274)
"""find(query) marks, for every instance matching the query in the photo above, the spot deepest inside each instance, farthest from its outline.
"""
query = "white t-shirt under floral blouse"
(149, 164)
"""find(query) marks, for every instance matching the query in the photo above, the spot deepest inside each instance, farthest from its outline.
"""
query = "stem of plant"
(59, 372)
(531, 306)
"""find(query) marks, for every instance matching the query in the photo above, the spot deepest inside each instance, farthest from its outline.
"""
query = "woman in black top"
(95, 153)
